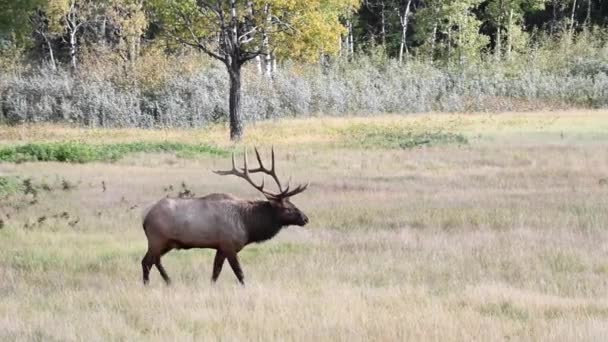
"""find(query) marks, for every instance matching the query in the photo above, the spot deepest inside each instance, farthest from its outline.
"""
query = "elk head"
(286, 212)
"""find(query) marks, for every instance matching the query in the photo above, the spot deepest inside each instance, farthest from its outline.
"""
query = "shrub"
(363, 86)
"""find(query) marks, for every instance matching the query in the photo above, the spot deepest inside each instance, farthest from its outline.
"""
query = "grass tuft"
(398, 137)
(10, 185)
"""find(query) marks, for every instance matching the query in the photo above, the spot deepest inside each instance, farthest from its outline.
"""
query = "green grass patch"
(10, 185)
(504, 309)
(76, 152)
(378, 136)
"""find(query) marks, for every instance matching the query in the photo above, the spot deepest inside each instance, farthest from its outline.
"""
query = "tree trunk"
(554, 19)
(236, 126)
(572, 19)
(73, 49)
(266, 41)
(510, 34)
(383, 23)
(450, 44)
(404, 23)
(350, 45)
(258, 65)
(51, 53)
(433, 40)
(498, 47)
(588, 18)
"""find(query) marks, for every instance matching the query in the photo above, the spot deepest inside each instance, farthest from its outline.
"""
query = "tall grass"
(497, 240)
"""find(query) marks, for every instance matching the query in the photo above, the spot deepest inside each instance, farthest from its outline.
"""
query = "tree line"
(265, 33)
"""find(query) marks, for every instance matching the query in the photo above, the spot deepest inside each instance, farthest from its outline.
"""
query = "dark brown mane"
(262, 221)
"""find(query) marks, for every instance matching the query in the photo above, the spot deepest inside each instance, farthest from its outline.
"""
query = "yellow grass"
(501, 239)
(325, 130)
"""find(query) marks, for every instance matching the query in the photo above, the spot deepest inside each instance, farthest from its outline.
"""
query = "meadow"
(444, 227)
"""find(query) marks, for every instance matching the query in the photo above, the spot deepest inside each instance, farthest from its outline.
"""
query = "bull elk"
(220, 221)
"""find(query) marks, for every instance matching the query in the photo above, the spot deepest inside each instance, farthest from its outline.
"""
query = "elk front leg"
(163, 272)
(236, 267)
(218, 262)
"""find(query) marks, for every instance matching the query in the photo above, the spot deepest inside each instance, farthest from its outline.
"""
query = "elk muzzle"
(303, 220)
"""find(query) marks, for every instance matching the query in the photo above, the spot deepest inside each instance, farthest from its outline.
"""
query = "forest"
(134, 63)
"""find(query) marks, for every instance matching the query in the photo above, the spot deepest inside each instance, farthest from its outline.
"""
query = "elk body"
(219, 221)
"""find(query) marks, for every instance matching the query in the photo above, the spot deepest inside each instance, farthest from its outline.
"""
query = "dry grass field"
(501, 236)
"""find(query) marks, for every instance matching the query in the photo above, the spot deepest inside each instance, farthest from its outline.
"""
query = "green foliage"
(449, 29)
(369, 136)
(14, 20)
(295, 29)
(75, 152)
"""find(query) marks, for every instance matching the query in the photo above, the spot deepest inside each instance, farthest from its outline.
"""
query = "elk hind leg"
(218, 262)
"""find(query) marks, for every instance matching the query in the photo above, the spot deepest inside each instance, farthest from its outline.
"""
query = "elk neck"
(261, 221)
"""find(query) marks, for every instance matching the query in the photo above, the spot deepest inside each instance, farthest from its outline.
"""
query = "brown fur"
(219, 221)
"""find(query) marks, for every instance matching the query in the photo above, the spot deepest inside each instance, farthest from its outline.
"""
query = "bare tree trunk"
(588, 18)
(268, 64)
(73, 50)
(258, 65)
(498, 47)
(266, 41)
(103, 26)
(554, 18)
(258, 60)
(73, 26)
(50, 48)
(572, 18)
(449, 44)
(404, 22)
(433, 40)
(350, 45)
(510, 34)
(383, 23)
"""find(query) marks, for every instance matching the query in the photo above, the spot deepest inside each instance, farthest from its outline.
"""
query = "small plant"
(10, 185)
(29, 188)
(67, 185)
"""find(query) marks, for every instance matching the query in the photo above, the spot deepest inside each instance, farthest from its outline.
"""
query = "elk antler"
(245, 174)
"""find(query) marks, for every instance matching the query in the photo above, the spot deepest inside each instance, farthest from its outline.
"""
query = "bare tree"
(74, 23)
(404, 14)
